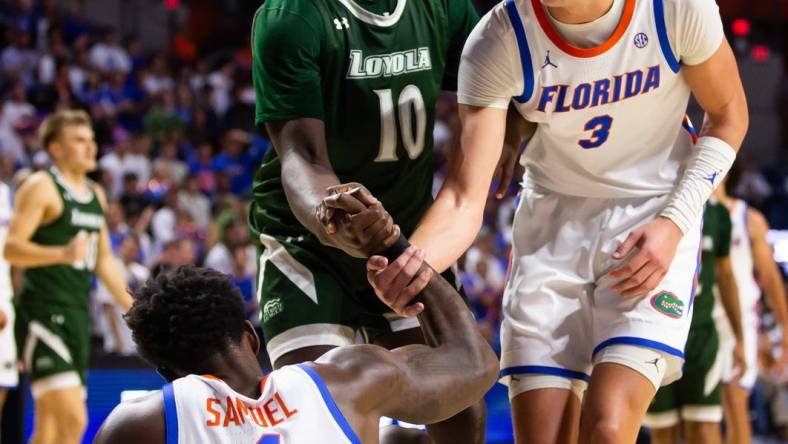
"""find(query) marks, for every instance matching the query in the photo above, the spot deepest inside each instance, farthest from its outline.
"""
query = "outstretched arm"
(306, 169)
(417, 383)
(454, 219)
(108, 268)
(769, 274)
(286, 68)
(729, 297)
(722, 97)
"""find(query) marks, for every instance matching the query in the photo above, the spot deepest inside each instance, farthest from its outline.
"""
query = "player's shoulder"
(494, 28)
(498, 16)
(101, 195)
(691, 7)
(39, 185)
(756, 221)
(351, 370)
(285, 12)
(135, 421)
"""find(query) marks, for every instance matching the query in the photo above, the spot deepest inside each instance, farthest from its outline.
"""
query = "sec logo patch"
(641, 40)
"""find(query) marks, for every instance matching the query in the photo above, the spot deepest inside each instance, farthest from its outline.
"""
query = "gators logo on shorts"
(668, 304)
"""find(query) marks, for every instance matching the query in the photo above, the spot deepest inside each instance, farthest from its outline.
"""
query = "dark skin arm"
(416, 383)
(308, 178)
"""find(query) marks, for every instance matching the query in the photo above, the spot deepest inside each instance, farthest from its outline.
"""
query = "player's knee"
(607, 432)
(665, 435)
(72, 421)
(701, 431)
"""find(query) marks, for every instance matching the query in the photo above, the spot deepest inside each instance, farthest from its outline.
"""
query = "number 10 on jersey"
(410, 102)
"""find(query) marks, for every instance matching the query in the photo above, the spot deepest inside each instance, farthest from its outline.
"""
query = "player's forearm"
(27, 254)
(454, 219)
(305, 185)
(729, 297)
(110, 273)
(774, 292)
(306, 169)
(113, 325)
(728, 122)
(447, 323)
(447, 230)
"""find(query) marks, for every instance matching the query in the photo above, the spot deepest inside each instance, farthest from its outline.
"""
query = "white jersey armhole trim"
(336, 413)
(526, 63)
(170, 414)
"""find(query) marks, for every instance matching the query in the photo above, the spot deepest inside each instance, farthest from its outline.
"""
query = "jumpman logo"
(548, 62)
(712, 177)
(654, 362)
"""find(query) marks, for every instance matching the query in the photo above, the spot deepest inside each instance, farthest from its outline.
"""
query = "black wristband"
(399, 247)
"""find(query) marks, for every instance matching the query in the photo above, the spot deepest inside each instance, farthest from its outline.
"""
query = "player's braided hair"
(181, 318)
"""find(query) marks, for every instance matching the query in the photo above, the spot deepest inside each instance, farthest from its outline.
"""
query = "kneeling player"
(190, 324)
(694, 401)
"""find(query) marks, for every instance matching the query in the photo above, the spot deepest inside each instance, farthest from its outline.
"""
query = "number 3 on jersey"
(410, 102)
(600, 127)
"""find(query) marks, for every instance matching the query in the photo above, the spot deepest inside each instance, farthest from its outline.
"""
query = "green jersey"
(65, 285)
(372, 71)
(716, 244)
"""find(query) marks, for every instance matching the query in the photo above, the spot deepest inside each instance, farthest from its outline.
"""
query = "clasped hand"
(355, 221)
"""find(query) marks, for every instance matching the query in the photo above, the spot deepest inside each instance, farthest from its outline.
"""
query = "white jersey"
(295, 407)
(9, 377)
(749, 297)
(5, 219)
(609, 117)
(741, 259)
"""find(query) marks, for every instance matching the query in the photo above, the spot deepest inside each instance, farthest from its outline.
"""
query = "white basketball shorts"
(9, 377)
(750, 327)
(559, 309)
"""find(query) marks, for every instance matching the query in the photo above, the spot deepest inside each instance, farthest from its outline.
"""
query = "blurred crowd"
(178, 151)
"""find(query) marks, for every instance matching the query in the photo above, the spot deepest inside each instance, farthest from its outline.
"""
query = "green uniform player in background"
(59, 236)
(347, 91)
(692, 406)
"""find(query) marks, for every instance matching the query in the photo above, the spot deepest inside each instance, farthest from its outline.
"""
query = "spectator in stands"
(19, 60)
(163, 222)
(243, 277)
(12, 116)
(117, 336)
(195, 202)
(235, 163)
(201, 168)
(221, 256)
(174, 254)
(169, 159)
(109, 57)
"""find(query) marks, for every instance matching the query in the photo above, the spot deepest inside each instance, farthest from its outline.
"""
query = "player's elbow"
(488, 369)
(741, 117)
(482, 362)
(735, 119)
(11, 252)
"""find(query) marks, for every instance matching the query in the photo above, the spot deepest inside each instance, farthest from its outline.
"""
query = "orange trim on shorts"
(563, 45)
